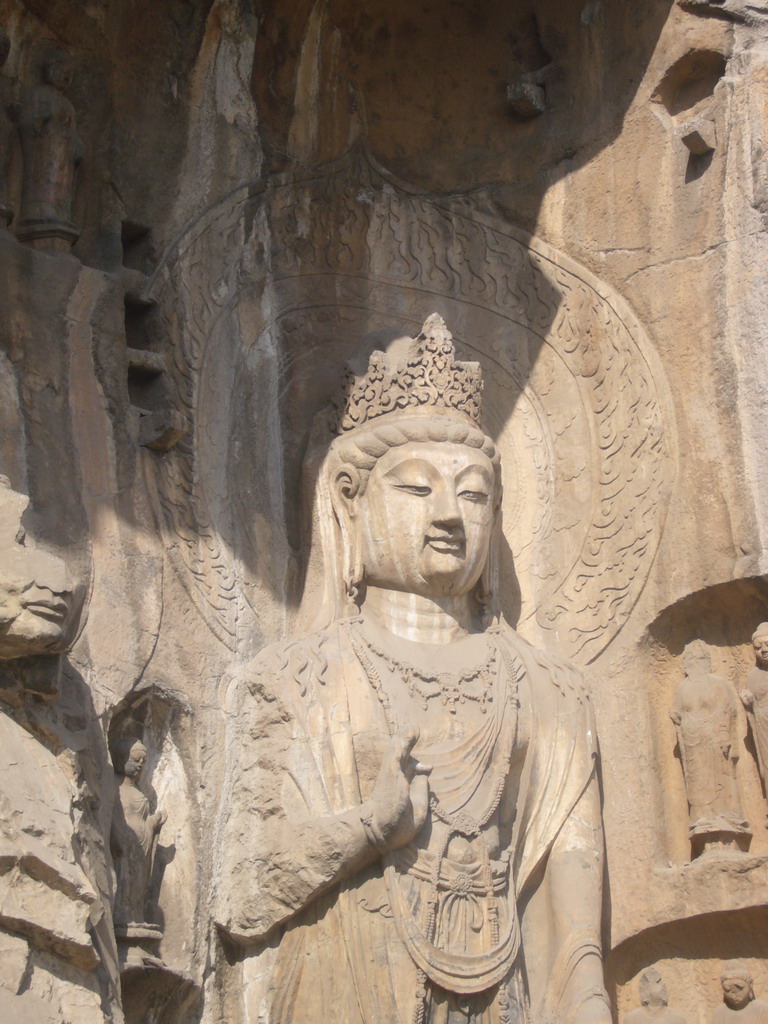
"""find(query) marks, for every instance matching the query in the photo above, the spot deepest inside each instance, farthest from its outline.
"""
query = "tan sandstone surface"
(216, 210)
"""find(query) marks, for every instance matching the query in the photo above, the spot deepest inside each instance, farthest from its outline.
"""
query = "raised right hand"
(400, 798)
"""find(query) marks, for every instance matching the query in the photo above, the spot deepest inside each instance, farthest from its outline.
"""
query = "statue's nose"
(446, 509)
(49, 571)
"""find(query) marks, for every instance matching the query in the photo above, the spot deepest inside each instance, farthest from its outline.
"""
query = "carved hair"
(761, 631)
(736, 969)
(363, 448)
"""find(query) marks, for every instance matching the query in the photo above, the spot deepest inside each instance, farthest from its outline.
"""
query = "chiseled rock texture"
(263, 184)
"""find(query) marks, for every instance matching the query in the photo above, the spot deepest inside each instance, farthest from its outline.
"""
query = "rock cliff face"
(209, 203)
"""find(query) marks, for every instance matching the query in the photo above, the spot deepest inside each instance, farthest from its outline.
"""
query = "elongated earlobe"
(345, 491)
(487, 589)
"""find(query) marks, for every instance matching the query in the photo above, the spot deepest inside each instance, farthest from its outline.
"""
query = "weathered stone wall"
(262, 185)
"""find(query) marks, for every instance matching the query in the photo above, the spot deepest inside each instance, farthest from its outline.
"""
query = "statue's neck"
(424, 620)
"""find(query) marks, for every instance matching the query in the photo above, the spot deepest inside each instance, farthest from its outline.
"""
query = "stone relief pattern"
(195, 546)
(353, 224)
(633, 465)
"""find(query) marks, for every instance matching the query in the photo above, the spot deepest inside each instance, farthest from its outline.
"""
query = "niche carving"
(150, 811)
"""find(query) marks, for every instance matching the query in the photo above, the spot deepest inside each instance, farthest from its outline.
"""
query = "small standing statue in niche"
(134, 843)
(51, 151)
(739, 1005)
(705, 717)
(654, 1008)
(9, 113)
(754, 697)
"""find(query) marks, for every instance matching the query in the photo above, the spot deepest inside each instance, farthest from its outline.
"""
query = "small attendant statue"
(705, 717)
(739, 1005)
(51, 151)
(654, 1008)
(9, 113)
(754, 696)
(134, 843)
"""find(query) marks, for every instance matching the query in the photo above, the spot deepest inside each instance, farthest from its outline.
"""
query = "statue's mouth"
(447, 545)
(54, 609)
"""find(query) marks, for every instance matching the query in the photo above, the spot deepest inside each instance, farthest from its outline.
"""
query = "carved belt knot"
(461, 884)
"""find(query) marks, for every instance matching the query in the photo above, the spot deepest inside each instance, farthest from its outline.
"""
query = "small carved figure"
(9, 113)
(705, 717)
(51, 151)
(35, 591)
(654, 1008)
(134, 836)
(739, 1003)
(754, 697)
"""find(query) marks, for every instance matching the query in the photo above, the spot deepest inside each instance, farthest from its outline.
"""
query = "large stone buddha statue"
(413, 815)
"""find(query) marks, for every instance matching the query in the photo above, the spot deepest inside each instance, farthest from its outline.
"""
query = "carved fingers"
(400, 798)
(419, 799)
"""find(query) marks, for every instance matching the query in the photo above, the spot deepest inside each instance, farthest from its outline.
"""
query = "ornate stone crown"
(429, 377)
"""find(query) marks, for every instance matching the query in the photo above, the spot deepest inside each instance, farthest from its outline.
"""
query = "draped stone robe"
(308, 737)
(757, 684)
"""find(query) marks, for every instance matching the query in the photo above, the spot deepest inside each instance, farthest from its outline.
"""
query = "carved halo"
(574, 396)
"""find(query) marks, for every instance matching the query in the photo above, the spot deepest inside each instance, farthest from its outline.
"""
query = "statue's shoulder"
(757, 681)
(301, 659)
(638, 1016)
(675, 1017)
(549, 675)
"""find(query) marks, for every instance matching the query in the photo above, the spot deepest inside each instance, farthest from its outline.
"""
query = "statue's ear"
(344, 491)
(498, 497)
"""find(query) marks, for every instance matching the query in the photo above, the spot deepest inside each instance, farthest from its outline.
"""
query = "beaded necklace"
(452, 689)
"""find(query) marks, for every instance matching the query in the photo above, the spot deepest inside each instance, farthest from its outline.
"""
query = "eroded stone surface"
(260, 189)
(51, 151)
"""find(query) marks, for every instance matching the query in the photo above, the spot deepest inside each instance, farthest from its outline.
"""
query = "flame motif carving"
(574, 394)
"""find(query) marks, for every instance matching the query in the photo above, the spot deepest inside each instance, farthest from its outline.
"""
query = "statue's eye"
(479, 497)
(420, 490)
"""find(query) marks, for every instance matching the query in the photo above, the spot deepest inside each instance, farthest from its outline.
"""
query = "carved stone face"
(59, 73)
(653, 991)
(426, 517)
(696, 658)
(760, 644)
(35, 592)
(737, 992)
(137, 758)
